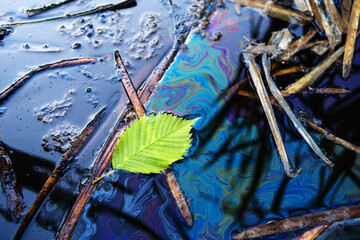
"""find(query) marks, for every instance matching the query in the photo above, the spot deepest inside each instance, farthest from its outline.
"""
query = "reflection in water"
(232, 177)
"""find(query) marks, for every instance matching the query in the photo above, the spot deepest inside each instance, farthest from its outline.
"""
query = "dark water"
(232, 177)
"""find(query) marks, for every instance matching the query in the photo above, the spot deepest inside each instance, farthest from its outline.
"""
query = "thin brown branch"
(313, 233)
(102, 8)
(351, 38)
(104, 157)
(34, 11)
(14, 198)
(300, 222)
(276, 11)
(309, 78)
(129, 87)
(297, 45)
(179, 197)
(345, 13)
(63, 63)
(59, 171)
(290, 70)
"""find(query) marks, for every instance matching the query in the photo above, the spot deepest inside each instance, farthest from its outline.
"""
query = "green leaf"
(152, 143)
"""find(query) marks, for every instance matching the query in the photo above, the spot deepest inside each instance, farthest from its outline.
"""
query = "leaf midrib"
(130, 158)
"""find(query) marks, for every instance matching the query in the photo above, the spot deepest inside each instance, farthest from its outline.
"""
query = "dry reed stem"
(265, 102)
(351, 38)
(309, 78)
(345, 13)
(313, 233)
(276, 11)
(297, 45)
(334, 14)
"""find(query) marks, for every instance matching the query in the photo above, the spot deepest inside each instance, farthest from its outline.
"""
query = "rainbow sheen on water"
(232, 177)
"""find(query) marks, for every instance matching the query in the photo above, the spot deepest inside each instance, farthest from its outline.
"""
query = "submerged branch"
(102, 8)
(104, 157)
(59, 171)
(64, 63)
(9, 184)
(300, 222)
(34, 11)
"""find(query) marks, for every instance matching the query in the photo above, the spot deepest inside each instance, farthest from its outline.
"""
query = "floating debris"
(35, 48)
(51, 111)
(59, 139)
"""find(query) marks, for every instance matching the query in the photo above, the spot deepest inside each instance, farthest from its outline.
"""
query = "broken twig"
(129, 87)
(104, 157)
(15, 202)
(297, 45)
(351, 38)
(64, 63)
(265, 101)
(59, 170)
(300, 222)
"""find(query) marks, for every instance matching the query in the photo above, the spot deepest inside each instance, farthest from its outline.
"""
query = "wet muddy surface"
(232, 178)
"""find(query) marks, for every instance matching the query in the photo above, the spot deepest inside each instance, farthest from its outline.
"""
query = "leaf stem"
(98, 179)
